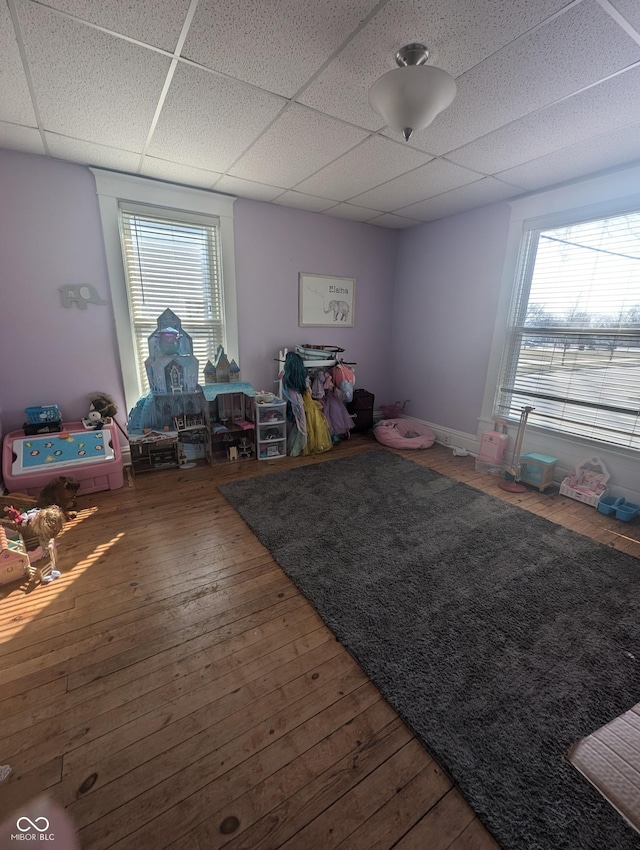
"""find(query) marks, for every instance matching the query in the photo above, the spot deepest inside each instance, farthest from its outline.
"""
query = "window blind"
(173, 262)
(573, 349)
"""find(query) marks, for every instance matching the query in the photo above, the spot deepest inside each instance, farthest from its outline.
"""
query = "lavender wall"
(446, 296)
(273, 244)
(50, 236)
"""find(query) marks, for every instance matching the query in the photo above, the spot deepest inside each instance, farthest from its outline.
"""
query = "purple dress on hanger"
(335, 410)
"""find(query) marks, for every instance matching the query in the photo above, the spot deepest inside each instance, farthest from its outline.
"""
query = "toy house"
(210, 373)
(222, 366)
(178, 416)
(229, 418)
(588, 483)
(14, 560)
(172, 371)
(221, 371)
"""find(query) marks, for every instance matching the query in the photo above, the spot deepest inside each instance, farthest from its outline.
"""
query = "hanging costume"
(308, 431)
(333, 406)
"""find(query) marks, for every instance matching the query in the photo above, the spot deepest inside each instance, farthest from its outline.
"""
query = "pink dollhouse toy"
(14, 561)
(588, 483)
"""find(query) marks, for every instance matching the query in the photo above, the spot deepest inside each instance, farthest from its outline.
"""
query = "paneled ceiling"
(268, 99)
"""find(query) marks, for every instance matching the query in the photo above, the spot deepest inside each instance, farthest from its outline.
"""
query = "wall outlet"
(446, 439)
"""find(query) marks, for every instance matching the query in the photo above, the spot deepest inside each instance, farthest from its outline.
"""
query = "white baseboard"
(126, 454)
(449, 437)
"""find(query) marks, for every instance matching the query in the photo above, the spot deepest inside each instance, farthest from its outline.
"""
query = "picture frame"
(326, 301)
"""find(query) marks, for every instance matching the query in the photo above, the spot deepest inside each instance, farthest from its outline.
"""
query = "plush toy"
(43, 524)
(93, 419)
(101, 410)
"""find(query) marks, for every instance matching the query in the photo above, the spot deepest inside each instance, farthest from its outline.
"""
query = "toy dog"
(60, 491)
(43, 524)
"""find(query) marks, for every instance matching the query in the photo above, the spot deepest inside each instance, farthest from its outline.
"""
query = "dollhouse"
(221, 370)
(177, 415)
(230, 420)
(172, 371)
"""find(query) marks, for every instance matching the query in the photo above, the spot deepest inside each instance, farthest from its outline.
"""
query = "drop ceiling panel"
(174, 172)
(89, 153)
(459, 35)
(397, 222)
(611, 104)
(606, 151)
(148, 21)
(574, 50)
(289, 40)
(247, 188)
(547, 92)
(373, 162)
(298, 144)
(200, 107)
(353, 213)
(431, 179)
(630, 10)
(15, 99)
(304, 202)
(83, 79)
(486, 191)
(15, 137)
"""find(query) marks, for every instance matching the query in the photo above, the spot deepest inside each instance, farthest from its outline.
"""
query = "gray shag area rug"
(499, 637)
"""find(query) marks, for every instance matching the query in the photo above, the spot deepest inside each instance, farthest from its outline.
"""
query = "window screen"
(573, 349)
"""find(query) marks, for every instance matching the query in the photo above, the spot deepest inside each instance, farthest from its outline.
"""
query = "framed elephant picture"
(326, 302)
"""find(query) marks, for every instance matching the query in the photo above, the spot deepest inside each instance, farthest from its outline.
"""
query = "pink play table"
(91, 457)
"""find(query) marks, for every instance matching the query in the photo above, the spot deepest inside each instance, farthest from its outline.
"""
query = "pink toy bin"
(104, 473)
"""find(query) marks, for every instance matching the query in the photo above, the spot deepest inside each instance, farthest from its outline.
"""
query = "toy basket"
(43, 413)
(393, 411)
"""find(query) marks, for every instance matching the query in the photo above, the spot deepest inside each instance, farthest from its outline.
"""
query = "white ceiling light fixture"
(409, 97)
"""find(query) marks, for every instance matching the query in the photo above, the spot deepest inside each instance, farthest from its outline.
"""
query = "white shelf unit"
(271, 429)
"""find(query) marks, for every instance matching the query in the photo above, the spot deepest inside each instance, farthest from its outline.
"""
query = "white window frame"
(114, 188)
(607, 194)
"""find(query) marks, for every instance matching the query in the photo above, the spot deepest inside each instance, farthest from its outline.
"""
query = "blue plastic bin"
(627, 511)
(43, 413)
(609, 504)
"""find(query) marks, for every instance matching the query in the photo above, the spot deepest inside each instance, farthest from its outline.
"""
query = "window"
(573, 344)
(172, 261)
(167, 246)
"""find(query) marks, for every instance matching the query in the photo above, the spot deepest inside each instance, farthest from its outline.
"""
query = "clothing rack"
(308, 364)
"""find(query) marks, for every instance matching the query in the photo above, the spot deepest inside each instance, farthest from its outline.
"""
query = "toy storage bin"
(627, 511)
(271, 429)
(393, 411)
(43, 413)
(537, 469)
(609, 504)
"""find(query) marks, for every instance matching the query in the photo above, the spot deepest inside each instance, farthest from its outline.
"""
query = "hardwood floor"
(174, 690)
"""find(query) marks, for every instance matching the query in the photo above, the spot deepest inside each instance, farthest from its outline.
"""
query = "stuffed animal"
(43, 524)
(93, 420)
(101, 410)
